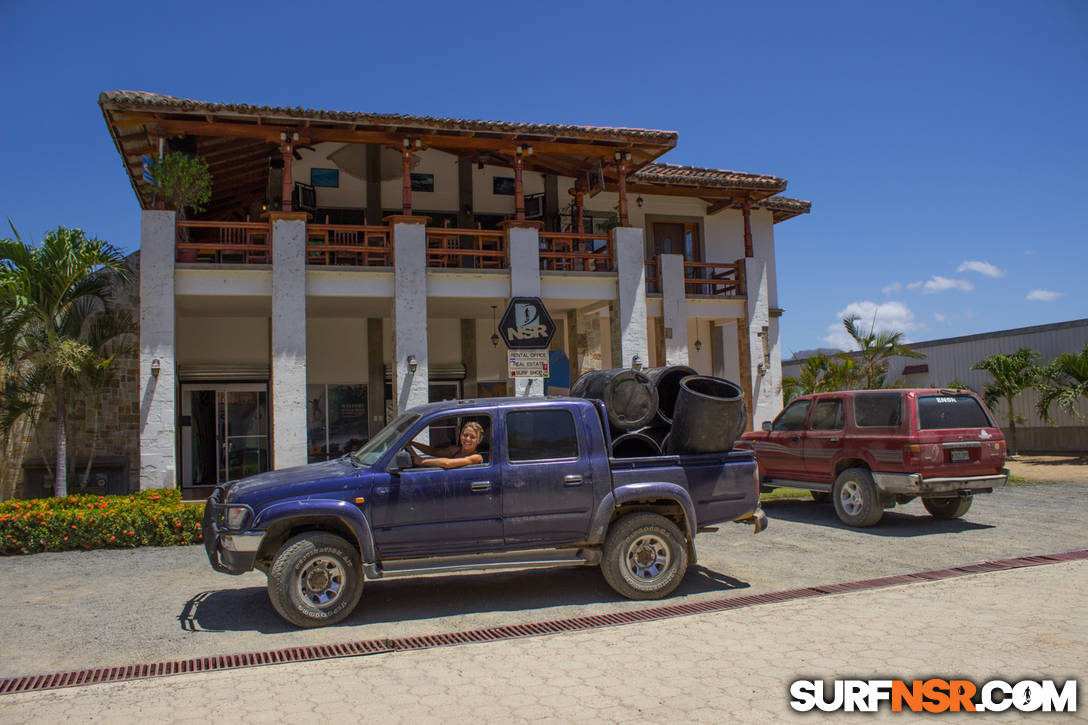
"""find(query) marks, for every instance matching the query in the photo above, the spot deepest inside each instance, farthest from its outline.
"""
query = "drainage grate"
(35, 683)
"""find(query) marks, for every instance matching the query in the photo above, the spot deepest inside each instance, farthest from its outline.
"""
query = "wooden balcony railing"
(571, 251)
(653, 276)
(466, 248)
(712, 278)
(348, 245)
(217, 242)
(700, 278)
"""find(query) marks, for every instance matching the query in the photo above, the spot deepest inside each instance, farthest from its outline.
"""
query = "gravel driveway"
(87, 609)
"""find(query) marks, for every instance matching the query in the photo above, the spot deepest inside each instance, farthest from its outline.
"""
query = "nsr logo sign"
(526, 324)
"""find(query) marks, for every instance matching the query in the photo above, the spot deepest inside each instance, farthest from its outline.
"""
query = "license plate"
(960, 456)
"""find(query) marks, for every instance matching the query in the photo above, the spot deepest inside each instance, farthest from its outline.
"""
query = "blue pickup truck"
(546, 494)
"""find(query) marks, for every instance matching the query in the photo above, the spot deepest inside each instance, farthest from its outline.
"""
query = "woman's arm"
(452, 462)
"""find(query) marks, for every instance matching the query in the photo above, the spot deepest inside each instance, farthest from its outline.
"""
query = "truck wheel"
(820, 496)
(315, 580)
(856, 500)
(644, 556)
(947, 508)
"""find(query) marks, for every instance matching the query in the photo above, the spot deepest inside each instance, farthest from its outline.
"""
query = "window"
(950, 411)
(336, 420)
(827, 415)
(444, 434)
(536, 435)
(793, 417)
(878, 410)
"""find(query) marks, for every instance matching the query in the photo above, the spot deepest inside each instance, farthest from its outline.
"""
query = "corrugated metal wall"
(952, 359)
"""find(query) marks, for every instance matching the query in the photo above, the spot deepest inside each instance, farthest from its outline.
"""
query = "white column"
(288, 341)
(410, 312)
(524, 244)
(158, 404)
(766, 375)
(629, 314)
(674, 309)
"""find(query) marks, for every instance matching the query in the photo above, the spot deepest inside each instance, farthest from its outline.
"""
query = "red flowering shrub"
(147, 518)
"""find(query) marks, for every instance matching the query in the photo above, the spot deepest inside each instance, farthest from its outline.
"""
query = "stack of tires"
(667, 410)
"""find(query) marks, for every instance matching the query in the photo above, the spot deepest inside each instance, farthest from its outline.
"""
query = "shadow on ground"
(435, 597)
(893, 523)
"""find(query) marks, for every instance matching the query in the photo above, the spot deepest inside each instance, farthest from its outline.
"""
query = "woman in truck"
(472, 435)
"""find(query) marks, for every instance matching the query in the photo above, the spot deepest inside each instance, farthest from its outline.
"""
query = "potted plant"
(185, 183)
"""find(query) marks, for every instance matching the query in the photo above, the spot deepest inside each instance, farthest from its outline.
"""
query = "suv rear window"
(878, 410)
(950, 411)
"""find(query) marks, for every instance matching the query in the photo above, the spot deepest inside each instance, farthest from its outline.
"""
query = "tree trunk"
(1012, 430)
(60, 480)
(94, 441)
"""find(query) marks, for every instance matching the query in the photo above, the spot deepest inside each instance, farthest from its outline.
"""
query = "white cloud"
(939, 317)
(940, 284)
(914, 285)
(985, 268)
(894, 316)
(1043, 295)
(893, 287)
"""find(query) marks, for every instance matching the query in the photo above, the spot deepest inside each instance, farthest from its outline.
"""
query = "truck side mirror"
(767, 426)
(401, 460)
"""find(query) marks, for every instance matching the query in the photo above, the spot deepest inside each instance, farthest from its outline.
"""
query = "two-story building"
(351, 265)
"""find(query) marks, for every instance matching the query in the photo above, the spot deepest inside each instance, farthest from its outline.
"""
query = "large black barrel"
(628, 395)
(635, 444)
(667, 381)
(709, 416)
(658, 432)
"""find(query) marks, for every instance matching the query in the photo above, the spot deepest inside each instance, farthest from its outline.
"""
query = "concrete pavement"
(732, 666)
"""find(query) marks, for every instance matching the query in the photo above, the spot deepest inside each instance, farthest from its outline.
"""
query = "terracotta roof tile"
(143, 99)
(699, 176)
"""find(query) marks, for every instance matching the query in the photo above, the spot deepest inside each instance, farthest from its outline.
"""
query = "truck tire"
(315, 580)
(947, 508)
(856, 499)
(645, 556)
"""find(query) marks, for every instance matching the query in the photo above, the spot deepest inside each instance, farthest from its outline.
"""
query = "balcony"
(215, 242)
(708, 279)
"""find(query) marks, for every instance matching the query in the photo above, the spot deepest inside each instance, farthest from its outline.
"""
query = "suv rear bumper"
(912, 484)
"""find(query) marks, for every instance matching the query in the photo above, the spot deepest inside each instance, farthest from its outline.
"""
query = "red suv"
(870, 449)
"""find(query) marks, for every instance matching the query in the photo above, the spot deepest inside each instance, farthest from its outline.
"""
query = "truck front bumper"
(230, 553)
(912, 484)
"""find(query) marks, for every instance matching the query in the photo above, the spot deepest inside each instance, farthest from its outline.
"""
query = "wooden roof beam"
(718, 205)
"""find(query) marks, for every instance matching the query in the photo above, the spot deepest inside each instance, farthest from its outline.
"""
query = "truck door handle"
(572, 480)
(832, 440)
(480, 486)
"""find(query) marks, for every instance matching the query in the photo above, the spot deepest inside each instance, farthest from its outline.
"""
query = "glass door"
(224, 432)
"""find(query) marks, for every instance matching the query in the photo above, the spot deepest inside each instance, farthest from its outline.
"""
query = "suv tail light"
(921, 453)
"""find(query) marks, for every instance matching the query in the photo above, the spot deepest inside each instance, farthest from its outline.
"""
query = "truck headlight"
(236, 516)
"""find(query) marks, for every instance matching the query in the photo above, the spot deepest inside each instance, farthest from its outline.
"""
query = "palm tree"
(1063, 381)
(49, 298)
(874, 350)
(820, 374)
(1011, 375)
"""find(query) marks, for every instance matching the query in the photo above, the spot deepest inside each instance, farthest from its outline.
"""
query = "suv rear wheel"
(947, 508)
(644, 556)
(856, 499)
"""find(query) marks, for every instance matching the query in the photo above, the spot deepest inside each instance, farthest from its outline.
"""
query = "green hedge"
(147, 518)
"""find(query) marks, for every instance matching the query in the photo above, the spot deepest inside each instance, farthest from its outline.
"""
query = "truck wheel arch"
(665, 499)
(843, 463)
(281, 529)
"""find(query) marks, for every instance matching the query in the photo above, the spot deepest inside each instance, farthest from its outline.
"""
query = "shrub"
(148, 518)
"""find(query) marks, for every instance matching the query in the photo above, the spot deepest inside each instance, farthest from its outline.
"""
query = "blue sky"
(943, 145)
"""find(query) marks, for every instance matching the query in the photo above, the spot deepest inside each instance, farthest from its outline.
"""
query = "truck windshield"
(377, 446)
(936, 412)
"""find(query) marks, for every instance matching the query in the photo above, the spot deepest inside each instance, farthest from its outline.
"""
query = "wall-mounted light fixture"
(156, 366)
(413, 364)
(636, 362)
(494, 335)
(698, 345)
(639, 201)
